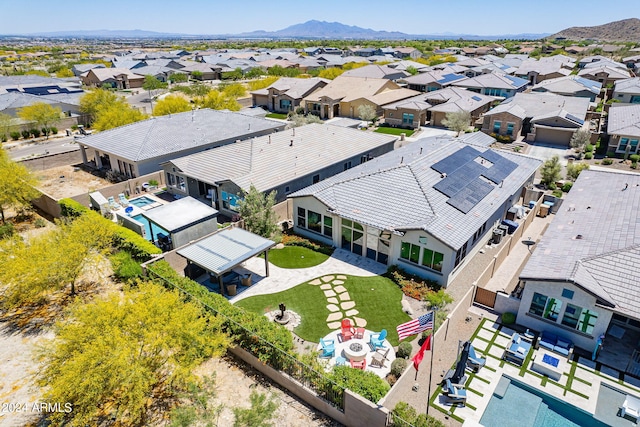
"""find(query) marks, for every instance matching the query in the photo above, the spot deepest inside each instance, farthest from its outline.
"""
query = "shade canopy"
(226, 249)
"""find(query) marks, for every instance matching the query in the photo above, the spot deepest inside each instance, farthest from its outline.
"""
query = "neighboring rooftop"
(493, 80)
(181, 214)
(273, 160)
(624, 120)
(541, 104)
(631, 85)
(369, 193)
(174, 133)
(567, 85)
(593, 240)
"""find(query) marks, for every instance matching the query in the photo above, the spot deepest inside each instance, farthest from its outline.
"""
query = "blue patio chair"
(341, 361)
(474, 362)
(377, 340)
(328, 348)
(454, 393)
(123, 200)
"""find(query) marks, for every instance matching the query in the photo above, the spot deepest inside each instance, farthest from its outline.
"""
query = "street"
(19, 150)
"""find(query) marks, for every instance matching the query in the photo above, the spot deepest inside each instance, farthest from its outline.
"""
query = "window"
(567, 293)
(461, 254)
(347, 165)
(315, 107)
(328, 226)
(623, 144)
(634, 145)
(314, 221)
(587, 321)
(285, 104)
(493, 92)
(180, 180)
(171, 180)
(407, 118)
(479, 232)
(552, 309)
(410, 252)
(510, 128)
(432, 259)
(538, 303)
(352, 236)
(496, 126)
(635, 99)
(287, 189)
(571, 316)
(302, 217)
(316, 178)
(365, 158)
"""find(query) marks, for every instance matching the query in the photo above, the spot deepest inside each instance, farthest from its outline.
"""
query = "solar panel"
(467, 198)
(454, 161)
(575, 119)
(476, 98)
(451, 185)
(492, 156)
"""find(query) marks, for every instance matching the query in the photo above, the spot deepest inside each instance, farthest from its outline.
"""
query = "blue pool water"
(148, 229)
(532, 408)
(142, 201)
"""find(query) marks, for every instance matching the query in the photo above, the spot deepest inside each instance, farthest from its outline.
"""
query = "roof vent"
(291, 143)
(579, 236)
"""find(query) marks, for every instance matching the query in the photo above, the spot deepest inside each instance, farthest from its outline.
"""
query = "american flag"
(415, 326)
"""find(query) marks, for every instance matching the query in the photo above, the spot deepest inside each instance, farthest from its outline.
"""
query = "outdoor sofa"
(554, 343)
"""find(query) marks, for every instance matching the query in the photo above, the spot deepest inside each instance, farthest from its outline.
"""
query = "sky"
(477, 17)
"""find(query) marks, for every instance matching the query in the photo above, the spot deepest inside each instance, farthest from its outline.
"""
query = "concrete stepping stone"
(332, 317)
(338, 282)
(334, 325)
(352, 312)
(327, 278)
(347, 305)
(315, 282)
(343, 296)
(341, 277)
(333, 301)
(339, 289)
(333, 307)
(325, 286)
(329, 294)
(360, 322)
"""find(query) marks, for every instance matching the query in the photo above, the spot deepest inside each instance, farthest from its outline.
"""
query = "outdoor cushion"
(562, 350)
(563, 344)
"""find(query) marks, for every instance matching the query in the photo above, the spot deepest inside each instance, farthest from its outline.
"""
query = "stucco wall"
(580, 299)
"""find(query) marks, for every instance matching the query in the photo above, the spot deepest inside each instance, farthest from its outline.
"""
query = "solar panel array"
(463, 183)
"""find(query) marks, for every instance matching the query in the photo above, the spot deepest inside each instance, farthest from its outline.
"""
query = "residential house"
(38, 85)
(494, 67)
(537, 71)
(68, 103)
(570, 86)
(331, 51)
(79, 69)
(605, 74)
(406, 64)
(407, 52)
(494, 84)
(283, 162)
(116, 78)
(365, 51)
(582, 277)
(473, 62)
(329, 60)
(202, 71)
(592, 59)
(627, 91)
(344, 95)
(431, 108)
(139, 148)
(605, 62)
(427, 207)
(632, 62)
(285, 94)
(376, 72)
(431, 80)
(540, 117)
(312, 51)
(623, 128)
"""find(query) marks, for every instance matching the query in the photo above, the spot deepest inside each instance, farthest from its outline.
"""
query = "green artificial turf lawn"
(394, 131)
(377, 299)
(276, 116)
(296, 257)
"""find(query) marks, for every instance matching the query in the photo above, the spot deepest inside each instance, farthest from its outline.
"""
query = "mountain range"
(624, 30)
(308, 30)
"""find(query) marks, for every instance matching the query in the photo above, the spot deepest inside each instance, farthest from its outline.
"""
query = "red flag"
(426, 345)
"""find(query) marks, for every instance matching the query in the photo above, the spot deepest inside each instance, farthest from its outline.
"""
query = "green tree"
(179, 77)
(64, 72)
(217, 100)
(18, 185)
(6, 121)
(235, 90)
(197, 75)
(579, 139)
(298, 120)
(262, 83)
(330, 73)
(412, 70)
(367, 113)
(254, 72)
(99, 99)
(262, 410)
(44, 115)
(550, 171)
(457, 121)
(197, 408)
(151, 84)
(233, 75)
(116, 356)
(256, 209)
(116, 115)
(574, 169)
(170, 105)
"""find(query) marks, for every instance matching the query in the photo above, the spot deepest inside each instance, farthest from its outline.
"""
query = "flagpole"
(433, 341)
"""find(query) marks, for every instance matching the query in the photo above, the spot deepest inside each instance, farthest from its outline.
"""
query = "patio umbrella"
(462, 364)
(598, 347)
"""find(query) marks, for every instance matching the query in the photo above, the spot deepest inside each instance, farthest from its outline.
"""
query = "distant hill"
(327, 30)
(627, 30)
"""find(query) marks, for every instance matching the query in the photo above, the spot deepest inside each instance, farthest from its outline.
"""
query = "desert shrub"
(25, 134)
(412, 286)
(366, 384)
(34, 132)
(589, 148)
(567, 187)
(125, 268)
(557, 193)
(611, 154)
(289, 239)
(508, 318)
(398, 366)
(39, 223)
(3, 138)
(607, 161)
(588, 156)
(404, 350)
(6, 230)
(15, 135)
(634, 158)
(552, 186)
(53, 130)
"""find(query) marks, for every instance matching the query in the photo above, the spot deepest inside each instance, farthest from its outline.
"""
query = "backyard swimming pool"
(532, 408)
(147, 228)
(143, 201)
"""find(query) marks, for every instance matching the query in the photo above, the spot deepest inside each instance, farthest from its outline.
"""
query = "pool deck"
(598, 392)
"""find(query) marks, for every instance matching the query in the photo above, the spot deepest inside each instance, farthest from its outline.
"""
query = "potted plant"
(153, 184)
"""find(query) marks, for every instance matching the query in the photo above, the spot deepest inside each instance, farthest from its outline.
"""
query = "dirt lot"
(68, 181)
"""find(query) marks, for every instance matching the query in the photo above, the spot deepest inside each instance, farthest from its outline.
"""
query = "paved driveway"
(547, 151)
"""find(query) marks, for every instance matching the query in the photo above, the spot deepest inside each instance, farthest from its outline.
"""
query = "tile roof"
(175, 133)
(631, 85)
(270, 161)
(376, 72)
(347, 89)
(493, 80)
(396, 191)
(296, 88)
(536, 104)
(594, 240)
(13, 100)
(624, 120)
(611, 72)
(442, 77)
(446, 100)
(568, 85)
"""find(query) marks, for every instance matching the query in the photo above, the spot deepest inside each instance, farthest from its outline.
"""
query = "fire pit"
(357, 350)
(355, 347)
